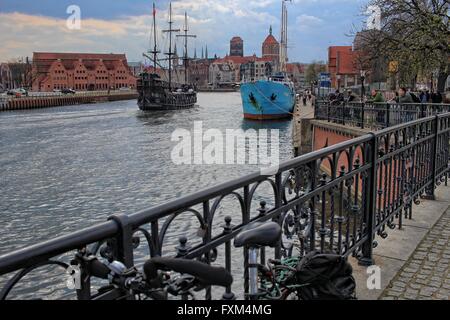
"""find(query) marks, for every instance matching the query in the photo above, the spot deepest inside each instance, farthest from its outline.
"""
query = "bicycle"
(253, 237)
(155, 281)
(311, 277)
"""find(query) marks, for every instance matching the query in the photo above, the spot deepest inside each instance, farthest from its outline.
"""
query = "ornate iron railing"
(375, 115)
(335, 199)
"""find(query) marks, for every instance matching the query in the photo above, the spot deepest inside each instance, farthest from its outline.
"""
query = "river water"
(67, 168)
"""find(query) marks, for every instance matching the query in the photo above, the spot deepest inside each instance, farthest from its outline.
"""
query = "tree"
(313, 70)
(415, 35)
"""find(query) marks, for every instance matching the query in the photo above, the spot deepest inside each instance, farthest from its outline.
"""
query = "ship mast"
(154, 52)
(186, 36)
(155, 49)
(283, 44)
(170, 53)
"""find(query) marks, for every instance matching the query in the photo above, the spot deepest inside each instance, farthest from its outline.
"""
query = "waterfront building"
(271, 48)
(81, 71)
(199, 72)
(221, 74)
(256, 68)
(237, 47)
(342, 66)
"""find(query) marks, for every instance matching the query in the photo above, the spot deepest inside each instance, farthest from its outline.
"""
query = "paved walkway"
(426, 275)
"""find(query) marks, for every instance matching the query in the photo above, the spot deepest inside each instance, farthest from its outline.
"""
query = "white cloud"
(306, 21)
(214, 22)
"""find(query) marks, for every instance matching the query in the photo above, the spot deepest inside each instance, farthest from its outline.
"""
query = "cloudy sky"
(123, 26)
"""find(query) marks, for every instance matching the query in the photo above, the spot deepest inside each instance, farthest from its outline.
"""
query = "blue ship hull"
(267, 100)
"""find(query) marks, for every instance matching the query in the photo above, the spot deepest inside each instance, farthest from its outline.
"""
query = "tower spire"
(206, 52)
(270, 30)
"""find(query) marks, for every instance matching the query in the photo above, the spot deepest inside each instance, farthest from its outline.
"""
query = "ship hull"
(160, 107)
(267, 100)
(156, 94)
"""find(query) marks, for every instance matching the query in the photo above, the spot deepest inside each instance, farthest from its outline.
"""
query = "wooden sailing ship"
(156, 93)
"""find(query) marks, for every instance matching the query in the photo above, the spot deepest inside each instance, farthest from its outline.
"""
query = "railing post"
(328, 111)
(124, 240)
(182, 250)
(366, 258)
(423, 110)
(343, 113)
(388, 115)
(430, 194)
(227, 228)
(362, 114)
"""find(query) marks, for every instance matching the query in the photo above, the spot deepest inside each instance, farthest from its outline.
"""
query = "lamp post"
(362, 78)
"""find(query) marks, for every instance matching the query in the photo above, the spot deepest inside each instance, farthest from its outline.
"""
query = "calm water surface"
(67, 168)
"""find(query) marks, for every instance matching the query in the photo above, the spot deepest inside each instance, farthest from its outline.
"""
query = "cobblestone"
(426, 275)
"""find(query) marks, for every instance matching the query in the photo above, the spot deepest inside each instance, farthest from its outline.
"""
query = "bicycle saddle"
(258, 234)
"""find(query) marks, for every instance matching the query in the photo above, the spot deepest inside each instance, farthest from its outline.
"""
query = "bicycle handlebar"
(99, 269)
(205, 273)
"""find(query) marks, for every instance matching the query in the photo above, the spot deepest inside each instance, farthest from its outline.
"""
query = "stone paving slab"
(426, 275)
(393, 254)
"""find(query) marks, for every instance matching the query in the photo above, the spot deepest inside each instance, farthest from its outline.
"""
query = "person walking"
(436, 97)
(377, 97)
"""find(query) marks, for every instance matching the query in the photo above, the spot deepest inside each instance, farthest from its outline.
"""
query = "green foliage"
(415, 33)
(313, 70)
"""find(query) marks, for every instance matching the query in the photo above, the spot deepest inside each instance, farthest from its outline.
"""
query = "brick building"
(271, 48)
(81, 71)
(199, 72)
(237, 47)
(342, 66)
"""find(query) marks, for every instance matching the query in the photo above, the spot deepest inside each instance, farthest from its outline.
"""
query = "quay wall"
(37, 102)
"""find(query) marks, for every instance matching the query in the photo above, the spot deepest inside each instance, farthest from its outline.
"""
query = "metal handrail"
(352, 173)
(375, 115)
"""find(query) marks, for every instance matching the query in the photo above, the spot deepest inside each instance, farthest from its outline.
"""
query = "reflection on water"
(67, 168)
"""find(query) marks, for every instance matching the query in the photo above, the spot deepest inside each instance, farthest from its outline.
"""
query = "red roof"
(42, 61)
(332, 51)
(270, 40)
(242, 60)
(77, 56)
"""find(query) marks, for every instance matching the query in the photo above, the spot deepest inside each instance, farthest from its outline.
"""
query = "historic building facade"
(342, 66)
(271, 48)
(237, 47)
(81, 71)
(255, 69)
